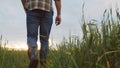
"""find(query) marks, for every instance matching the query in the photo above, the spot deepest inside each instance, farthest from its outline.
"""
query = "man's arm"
(23, 3)
(58, 8)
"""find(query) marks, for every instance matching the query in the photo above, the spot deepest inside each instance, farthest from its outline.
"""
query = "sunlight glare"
(23, 45)
(17, 46)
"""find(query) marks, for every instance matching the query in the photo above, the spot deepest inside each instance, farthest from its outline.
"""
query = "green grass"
(13, 59)
(99, 48)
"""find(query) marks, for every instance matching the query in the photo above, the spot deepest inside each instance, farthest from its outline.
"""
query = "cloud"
(94, 8)
(13, 25)
(12, 19)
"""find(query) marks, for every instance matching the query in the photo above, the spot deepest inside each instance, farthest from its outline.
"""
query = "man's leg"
(32, 33)
(45, 28)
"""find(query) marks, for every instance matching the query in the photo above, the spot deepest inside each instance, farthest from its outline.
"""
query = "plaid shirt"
(39, 4)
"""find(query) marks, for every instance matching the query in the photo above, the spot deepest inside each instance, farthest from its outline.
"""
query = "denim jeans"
(39, 24)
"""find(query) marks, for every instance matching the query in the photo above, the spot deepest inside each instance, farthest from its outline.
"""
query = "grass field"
(13, 59)
(99, 48)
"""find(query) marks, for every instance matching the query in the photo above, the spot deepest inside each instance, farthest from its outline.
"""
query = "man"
(39, 21)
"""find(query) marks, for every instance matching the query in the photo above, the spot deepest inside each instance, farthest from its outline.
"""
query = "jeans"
(39, 24)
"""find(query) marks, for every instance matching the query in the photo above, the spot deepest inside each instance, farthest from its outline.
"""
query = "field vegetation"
(99, 47)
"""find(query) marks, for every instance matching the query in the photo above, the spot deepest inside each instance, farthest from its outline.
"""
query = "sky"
(13, 19)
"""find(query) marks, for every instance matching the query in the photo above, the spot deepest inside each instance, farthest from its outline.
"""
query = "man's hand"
(58, 7)
(58, 20)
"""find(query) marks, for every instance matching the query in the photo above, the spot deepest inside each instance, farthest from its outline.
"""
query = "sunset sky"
(13, 19)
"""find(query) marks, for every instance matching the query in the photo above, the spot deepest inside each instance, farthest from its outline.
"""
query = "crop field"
(99, 48)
